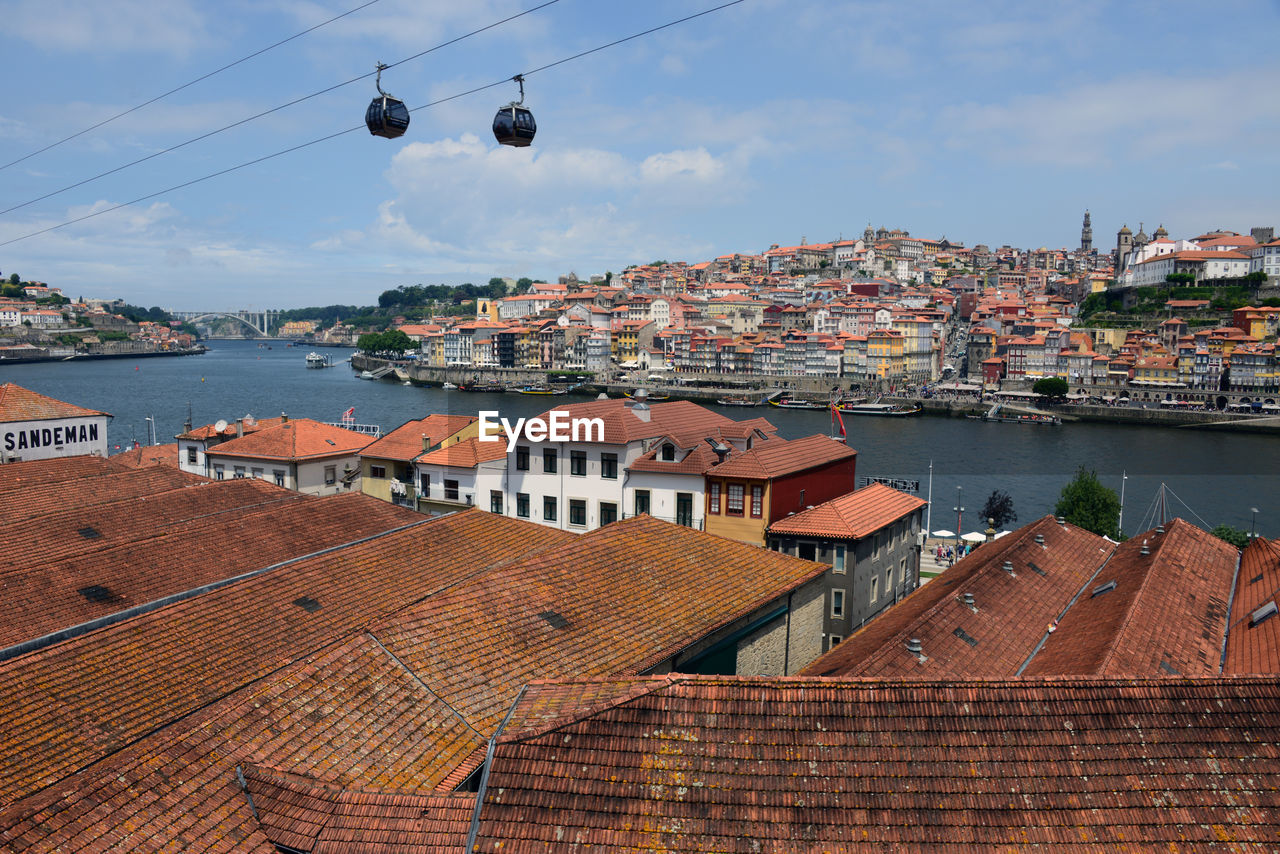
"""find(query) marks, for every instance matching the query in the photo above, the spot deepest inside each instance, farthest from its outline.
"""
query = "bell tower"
(1086, 234)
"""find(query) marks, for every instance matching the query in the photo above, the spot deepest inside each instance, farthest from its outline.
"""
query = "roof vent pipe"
(968, 600)
(1040, 539)
(1145, 550)
(1008, 567)
(915, 648)
(1062, 521)
(1159, 529)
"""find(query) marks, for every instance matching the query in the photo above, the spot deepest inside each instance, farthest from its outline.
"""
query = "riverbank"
(198, 350)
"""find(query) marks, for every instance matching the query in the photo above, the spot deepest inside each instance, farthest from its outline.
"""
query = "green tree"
(1085, 502)
(523, 284)
(999, 509)
(1051, 387)
(1235, 536)
(15, 279)
(497, 286)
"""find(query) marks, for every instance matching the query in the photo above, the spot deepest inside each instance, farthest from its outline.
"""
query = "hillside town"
(890, 311)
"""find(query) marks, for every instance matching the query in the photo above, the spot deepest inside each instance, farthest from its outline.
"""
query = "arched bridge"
(262, 322)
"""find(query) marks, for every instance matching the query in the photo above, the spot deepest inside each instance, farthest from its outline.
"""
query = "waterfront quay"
(708, 388)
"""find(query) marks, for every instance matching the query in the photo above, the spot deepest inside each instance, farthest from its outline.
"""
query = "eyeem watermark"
(558, 428)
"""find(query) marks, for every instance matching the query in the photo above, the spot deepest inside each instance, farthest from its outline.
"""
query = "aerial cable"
(283, 106)
(185, 85)
(503, 82)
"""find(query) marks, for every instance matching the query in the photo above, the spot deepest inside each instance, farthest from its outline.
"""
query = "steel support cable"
(276, 109)
(337, 134)
(188, 84)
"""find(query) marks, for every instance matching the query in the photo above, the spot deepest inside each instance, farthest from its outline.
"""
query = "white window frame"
(838, 562)
(837, 604)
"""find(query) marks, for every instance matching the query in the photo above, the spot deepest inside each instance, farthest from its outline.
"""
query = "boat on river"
(1012, 416)
(490, 388)
(317, 360)
(890, 409)
(796, 403)
(737, 401)
(540, 389)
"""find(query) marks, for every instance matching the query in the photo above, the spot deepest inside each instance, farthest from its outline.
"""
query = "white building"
(298, 454)
(35, 427)
(465, 474)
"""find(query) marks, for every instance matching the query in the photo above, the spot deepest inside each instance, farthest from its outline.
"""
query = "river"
(1220, 476)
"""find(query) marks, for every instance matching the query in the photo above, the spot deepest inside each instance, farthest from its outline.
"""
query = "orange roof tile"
(779, 457)
(852, 516)
(20, 404)
(295, 439)
(412, 439)
(468, 453)
(1253, 644)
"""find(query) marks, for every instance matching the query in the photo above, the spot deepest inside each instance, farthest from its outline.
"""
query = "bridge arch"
(212, 314)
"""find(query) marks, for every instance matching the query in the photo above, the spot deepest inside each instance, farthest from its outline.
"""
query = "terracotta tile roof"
(306, 814)
(743, 765)
(296, 439)
(683, 419)
(1009, 617)
(851, 516)
(1127, 631)
(382, 666)
(31, 490)
(689, 461)
(468, 453)
(149, 455)
(1253, 644)
(780, 457)
(185, 538)
(405, 443)
(20, 404)
(208, 431)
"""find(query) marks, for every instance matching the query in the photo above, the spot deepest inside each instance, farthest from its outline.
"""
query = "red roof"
(410, 440)
(295, 439)
(468, 453)
(851, 516)
(699, 763)
(780, 457)
(1253, 646)
(20, 404)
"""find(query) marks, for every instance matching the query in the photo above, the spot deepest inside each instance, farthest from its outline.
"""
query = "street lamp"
(959, 508)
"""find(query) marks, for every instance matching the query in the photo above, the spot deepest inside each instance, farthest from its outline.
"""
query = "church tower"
(1086, 234)
(869, 236)
(1124, 244)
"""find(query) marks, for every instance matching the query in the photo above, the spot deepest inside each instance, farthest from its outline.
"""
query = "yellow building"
(386, 466)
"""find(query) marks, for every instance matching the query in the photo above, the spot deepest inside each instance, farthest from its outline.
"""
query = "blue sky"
(767, 122)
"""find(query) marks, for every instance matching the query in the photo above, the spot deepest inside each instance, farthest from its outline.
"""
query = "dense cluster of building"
(887, 310)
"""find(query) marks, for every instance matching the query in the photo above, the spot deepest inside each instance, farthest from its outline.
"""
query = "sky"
(768, 122)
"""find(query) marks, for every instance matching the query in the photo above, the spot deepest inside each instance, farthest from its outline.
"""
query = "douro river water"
(1220, 476)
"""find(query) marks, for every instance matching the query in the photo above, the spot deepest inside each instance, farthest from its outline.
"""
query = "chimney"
(284, 419)
(426, 443)
(239, 427)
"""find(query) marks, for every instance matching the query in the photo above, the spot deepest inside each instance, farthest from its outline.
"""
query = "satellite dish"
(220, 425)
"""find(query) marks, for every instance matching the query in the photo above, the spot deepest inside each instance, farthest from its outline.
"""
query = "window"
(279, 476)
(837, 604)
(668, 453)
(451, 490)
(522, 505)
(495, 501)
(684, 509)
(713, 498)
(218, 472)
(255, 473)
(330, 475)
(838, 565)
(425, 485)
(191, 455)
(733, 499)
(522, 457)
(377, 471)
(875, 588)
(608, 512)
(609, 466)
(835, 639)
(549, 508)
(239, 471)
(577, 511)
(549, 460)
(757, 501)
(642, 501)
(578, 463)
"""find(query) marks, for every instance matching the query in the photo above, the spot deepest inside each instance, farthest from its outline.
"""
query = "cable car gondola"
(386, 116)
(514, 124)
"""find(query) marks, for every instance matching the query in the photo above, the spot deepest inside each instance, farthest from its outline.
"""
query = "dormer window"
(668, 452)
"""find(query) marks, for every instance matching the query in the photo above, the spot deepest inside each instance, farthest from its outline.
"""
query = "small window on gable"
(668, 452)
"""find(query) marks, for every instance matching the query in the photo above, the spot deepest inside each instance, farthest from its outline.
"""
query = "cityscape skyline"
(758, 124)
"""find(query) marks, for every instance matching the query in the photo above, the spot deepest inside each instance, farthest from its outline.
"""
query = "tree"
(1051, 387)
(999, 509)
(523, 284)
(497, 287)
(15, 279)
(1085, 502)
(1235, 536)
